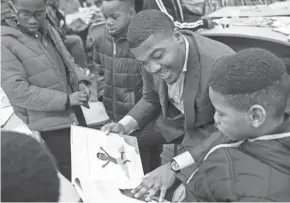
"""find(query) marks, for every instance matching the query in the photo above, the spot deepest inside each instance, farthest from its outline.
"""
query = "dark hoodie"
(255, 170)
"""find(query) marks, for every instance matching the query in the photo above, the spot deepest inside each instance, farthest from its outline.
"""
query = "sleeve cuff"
(183, 160)
(85, 82)
(67, 105)
(129, 123)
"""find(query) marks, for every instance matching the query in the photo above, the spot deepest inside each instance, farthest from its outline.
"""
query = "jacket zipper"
(73, 117)
(114, 83)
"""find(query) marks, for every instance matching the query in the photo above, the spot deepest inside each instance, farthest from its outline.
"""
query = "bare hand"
(113, 128)
(179, 194)
(78, 98)
(83, 88)
(161, 178)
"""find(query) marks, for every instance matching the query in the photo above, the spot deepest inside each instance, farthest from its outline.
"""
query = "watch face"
(174, 165)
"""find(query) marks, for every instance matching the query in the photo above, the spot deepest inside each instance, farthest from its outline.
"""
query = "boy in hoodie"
(249, 91)
(119, 78)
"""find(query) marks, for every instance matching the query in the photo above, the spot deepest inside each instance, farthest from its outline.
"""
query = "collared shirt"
(175, 90)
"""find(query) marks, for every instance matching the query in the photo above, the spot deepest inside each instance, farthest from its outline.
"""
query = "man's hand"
(113, 128)
(179, 194)
(161, 178)
(83, 88)
(78, 99)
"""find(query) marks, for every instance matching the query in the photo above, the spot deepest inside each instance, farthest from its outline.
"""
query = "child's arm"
(98, 70)
(22, 93)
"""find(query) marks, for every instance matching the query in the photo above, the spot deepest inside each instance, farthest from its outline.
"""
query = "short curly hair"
(28, 171)
(252, 76)
(147, 23)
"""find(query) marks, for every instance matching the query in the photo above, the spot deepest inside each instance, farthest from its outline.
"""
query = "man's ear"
(257, 115)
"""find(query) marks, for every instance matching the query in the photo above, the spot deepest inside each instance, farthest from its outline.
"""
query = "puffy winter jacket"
(120, 73)
(249, 171)
(33, 83)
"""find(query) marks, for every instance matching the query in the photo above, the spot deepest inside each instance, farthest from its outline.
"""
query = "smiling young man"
(175, 78)
(42, 82)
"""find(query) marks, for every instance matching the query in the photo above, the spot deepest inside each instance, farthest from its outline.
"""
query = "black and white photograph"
(145, 101)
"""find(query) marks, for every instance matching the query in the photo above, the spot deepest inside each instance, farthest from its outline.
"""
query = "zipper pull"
(114, 49)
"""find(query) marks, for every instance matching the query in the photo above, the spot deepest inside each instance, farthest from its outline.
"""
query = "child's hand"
(114, 128)
(179, 194)
(77, 98)
(83, 88)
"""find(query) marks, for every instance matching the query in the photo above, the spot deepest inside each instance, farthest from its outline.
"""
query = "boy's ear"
(258, 115)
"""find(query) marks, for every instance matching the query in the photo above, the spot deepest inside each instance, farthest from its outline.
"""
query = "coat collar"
(191, 83)
(113, 38)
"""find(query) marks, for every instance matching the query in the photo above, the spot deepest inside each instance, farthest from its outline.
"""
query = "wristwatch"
(174, 166)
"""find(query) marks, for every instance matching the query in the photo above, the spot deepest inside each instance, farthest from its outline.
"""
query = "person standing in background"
(42, 82)
(73, 42)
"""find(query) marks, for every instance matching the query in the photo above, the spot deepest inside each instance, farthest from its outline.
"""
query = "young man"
(40, 78)
(29, 172)
(119, 78)
(249, 91)
(175, 79)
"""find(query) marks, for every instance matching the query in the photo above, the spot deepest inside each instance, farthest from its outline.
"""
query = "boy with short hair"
(29, 172)
(119, 78)
(249, 91)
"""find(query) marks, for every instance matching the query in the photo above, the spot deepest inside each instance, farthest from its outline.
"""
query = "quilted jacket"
(256, 170)
(33, 83)
(119, 74)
